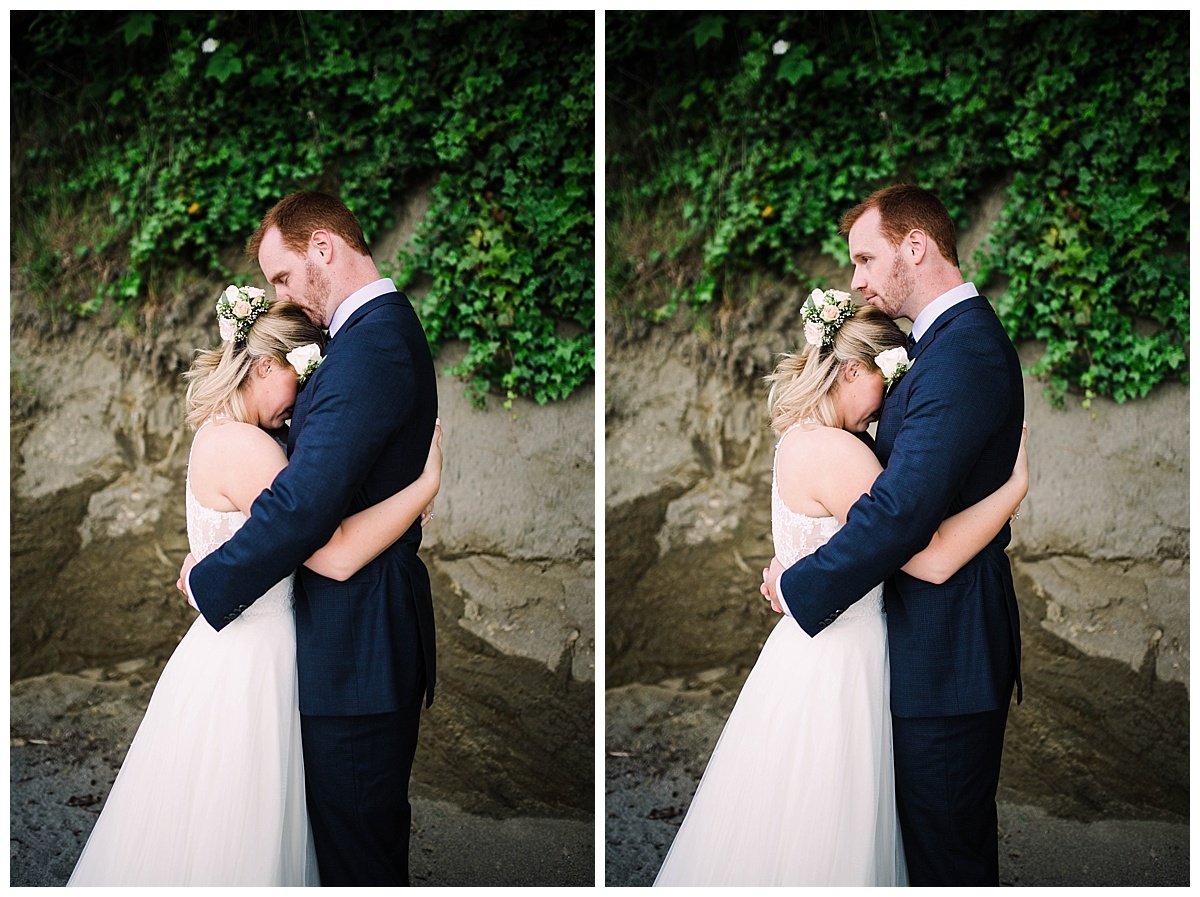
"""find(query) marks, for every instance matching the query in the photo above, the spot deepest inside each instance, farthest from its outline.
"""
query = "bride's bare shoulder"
(819, 444)
(220, 441)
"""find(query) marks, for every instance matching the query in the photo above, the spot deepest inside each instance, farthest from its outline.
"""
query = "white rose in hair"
(814, 333)
(817, 298)
(830, 313)
(227, 330)
(231, 293)
(841, 296)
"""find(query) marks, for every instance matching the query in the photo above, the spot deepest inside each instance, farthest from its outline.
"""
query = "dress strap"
(803, 422)
(213, 419)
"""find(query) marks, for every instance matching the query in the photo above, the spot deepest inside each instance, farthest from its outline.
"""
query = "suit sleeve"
(359, 401)
(957, 401)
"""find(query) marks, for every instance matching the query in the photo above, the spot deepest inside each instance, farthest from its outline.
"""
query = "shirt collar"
(357, 300)
(934, 309)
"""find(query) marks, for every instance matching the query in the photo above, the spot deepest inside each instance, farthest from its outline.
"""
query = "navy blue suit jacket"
(947, 437)
(360, 432)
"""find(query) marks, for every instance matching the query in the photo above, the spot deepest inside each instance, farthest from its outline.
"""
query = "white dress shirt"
(934, 309)
(357, 300)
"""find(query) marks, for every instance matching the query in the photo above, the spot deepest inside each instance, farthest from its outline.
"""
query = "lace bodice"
(798, 535)
(208, 530)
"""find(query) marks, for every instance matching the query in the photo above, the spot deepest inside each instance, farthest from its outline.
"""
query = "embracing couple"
(865, 746)
(277, 747)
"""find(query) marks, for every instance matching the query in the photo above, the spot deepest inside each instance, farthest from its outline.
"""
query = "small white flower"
(780, 47)
(210, 45)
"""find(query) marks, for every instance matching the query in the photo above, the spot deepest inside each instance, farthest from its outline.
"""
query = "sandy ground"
(68, 735)
(659, 739)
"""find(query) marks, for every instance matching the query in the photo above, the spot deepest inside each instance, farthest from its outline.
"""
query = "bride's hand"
(433, 467)
(770, 578)
(1020, 472)
(433, 463)
(188, 563)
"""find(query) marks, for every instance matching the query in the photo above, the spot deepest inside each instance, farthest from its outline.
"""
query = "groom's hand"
(188, 563)
(770, 580)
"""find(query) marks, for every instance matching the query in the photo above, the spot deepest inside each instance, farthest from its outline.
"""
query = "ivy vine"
(751, 133)
(148, 144)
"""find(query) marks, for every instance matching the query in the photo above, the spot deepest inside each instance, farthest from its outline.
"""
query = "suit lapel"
(895, 404)
(396, 298)
(945, 318)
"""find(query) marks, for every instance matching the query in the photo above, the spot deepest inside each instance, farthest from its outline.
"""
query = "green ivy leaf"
(795, 65)
(137, 26)
(709, 28)
(225, 63)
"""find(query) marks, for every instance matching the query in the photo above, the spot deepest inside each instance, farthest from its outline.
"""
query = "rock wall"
(98, 453)
(1100, 555)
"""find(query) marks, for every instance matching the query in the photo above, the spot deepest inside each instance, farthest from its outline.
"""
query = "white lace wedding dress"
(212, 789)
(799, 789)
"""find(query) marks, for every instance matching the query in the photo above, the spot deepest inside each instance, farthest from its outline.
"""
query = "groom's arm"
(360, 400)
(955, 407)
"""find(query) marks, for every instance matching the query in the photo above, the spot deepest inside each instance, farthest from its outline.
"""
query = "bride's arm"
(964, 535)
(364, 536)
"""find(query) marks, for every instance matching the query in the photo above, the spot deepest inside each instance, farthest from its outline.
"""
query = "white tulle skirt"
(212, 789)
(799, 790)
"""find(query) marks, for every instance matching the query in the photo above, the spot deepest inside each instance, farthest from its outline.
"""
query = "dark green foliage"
(755, 154)
(176, 131)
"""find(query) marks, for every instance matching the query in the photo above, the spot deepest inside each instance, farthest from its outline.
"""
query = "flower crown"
(825, 312)
(305, 360)
(237, 309)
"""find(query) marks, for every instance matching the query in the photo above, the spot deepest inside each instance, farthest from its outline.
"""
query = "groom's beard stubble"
(317, 289)
(897, 290)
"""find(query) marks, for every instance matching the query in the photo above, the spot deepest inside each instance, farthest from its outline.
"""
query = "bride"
(212, 789)
(799, 789)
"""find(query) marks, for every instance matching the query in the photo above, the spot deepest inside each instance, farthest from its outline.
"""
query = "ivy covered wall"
(747, 135)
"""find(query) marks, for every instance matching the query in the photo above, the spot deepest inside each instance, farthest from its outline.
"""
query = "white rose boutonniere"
(893, 364)
(305, 360)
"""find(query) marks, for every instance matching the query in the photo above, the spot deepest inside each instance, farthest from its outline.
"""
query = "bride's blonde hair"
(216, 377)
(802, 383)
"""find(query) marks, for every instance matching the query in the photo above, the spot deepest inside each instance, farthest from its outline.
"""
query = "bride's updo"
(217, 376)
(802, 383)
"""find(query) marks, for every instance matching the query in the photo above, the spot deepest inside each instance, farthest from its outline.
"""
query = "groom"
(947, 437)
(360, 432)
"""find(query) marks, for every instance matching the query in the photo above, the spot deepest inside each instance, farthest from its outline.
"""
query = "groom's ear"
(915, 245)
(320, 246)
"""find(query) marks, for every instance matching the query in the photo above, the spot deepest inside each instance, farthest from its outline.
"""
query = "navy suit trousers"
(947, 772)
(356, 774)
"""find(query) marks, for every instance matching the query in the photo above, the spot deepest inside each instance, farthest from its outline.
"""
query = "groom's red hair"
(298, 214)
(906, 207)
